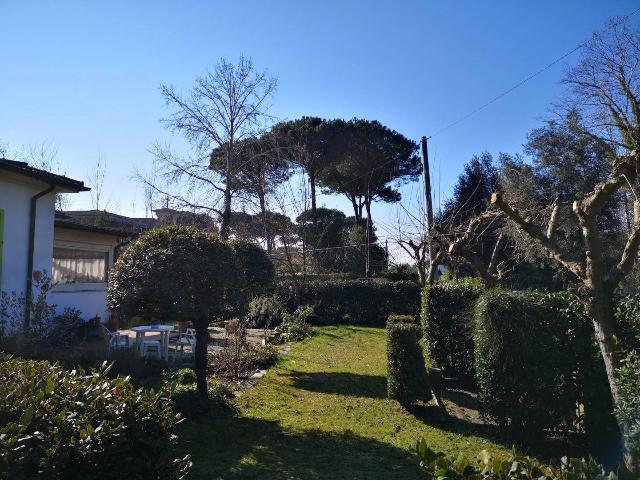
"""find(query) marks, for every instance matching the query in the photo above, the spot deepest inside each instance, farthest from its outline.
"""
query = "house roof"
(23, 168)
(65, 221)
(103, 217)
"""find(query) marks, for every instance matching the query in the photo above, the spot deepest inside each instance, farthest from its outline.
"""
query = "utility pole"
(427, 184)
(429, 212)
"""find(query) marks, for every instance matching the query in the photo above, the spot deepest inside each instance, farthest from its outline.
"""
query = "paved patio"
(219, 338)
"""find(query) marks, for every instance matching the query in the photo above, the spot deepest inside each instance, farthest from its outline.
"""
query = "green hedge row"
(447, 317)
(407, 379)
(355, 301)
(58, 424)
(536, 361)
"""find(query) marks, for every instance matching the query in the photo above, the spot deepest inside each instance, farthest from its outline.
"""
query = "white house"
(33, 238)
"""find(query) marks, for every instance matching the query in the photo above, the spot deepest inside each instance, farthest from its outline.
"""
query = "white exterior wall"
(89, 298)
(15, 200)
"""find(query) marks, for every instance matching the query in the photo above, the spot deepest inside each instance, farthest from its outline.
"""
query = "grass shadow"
(341, 383)
(249, 448)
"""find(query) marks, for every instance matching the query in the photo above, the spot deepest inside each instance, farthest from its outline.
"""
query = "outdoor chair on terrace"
(114, 340)
(187, 339)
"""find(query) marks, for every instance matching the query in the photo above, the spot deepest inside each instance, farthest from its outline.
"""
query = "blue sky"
(84, 76)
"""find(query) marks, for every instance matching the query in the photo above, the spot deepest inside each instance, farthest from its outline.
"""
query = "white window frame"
(86, 286)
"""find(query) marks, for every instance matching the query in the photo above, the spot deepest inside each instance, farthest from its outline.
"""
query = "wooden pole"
(427, 184)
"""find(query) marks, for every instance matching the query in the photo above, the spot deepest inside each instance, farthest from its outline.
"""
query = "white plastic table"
(163, 330)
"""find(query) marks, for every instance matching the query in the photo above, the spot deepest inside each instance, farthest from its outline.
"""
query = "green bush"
(407, 379)
(295, 327)
(512, 466)
(629, 410)
(265, 311)
(71, 424)
(535, 361)
(628, 319)
(360, 302)
(402, 319)
(258, 272)
(447, 318)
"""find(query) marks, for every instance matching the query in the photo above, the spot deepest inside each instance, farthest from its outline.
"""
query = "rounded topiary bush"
(407, 379)
(258, 272)
(179, 273)
(72, 424)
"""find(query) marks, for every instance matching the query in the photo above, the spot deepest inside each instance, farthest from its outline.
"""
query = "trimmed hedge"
(352, 301)
(535, 361)
(407, 379)
(71, 424)
(362, 302)
(447, 318)
(402, 319)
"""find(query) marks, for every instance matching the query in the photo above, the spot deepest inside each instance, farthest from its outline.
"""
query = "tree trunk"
(601, 310)
(268, 236)
(200, 358)
(226, 215)
(312, 184)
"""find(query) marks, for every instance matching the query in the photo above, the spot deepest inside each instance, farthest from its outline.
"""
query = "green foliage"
(178, 273)
(258, 272)
(407, 379)
(628, 319)
(535, 361)
(265, 311)
(401, 272)
(629, 409)
(402, 319)
(438, 466)
(362, 302)
(295, 327)
(174, 272)
(447, 318)
(74, 425)
(366, 161)
(263, 356)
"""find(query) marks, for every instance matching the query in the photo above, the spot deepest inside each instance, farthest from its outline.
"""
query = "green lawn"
(320, 413)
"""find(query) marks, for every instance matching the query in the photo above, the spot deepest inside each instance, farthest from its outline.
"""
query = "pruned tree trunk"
(595, 280)
(200, 358)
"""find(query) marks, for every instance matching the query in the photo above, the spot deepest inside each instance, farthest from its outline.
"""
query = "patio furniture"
(151, 346)
(187, 339)
(162, 330)
(114, 340)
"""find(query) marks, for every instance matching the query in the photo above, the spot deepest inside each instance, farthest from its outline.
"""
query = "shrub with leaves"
(265, 311)
(295, 327)
(402, 319)
(357, 301)
(447, 318)
(629, 411)
(439, 466)
(73, 424)
(407, 379)
(628, 318)
(535, 362)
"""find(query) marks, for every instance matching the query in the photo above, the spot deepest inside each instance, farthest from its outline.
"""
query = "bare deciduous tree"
(226, 105)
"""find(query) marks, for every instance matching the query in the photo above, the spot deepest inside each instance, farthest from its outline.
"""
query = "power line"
(530, 77)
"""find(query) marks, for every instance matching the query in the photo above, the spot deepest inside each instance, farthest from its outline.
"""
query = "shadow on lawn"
(342, 383)
(232, 447)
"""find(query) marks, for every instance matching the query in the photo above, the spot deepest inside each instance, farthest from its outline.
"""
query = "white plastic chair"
(114, 340)
(151, 346)
(187, 339)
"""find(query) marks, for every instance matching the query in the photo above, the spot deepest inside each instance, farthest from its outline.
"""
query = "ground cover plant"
(58, 424)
